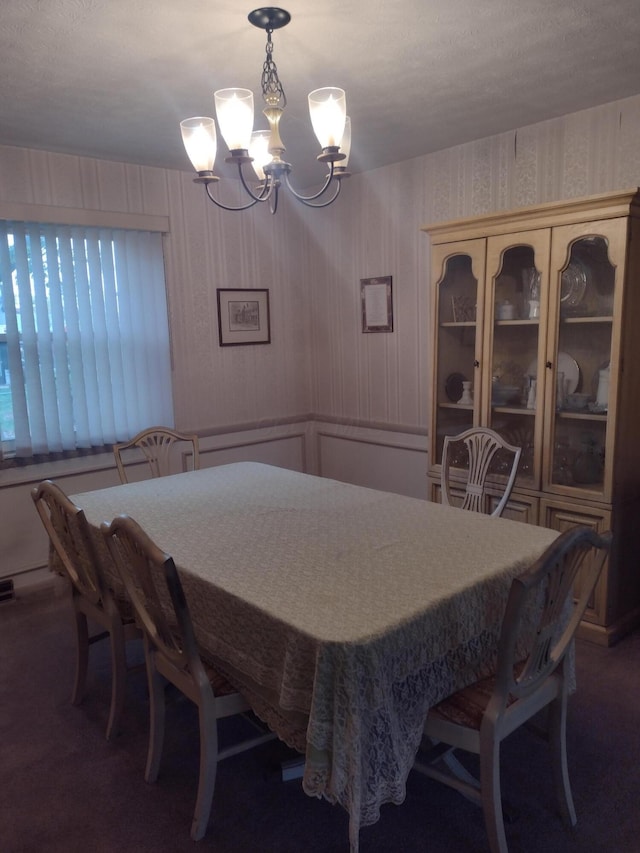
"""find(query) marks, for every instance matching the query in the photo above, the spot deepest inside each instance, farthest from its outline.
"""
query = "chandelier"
(263, 149)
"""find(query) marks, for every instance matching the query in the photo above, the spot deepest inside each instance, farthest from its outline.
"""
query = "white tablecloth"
(343, 612)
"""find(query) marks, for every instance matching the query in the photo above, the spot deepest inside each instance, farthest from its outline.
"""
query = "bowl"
(502, 395)
(577, 401)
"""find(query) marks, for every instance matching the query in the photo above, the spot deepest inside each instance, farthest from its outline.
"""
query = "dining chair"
(172, 655)
(478, 718)
(482, 445)
(93, 601)
(156, 445)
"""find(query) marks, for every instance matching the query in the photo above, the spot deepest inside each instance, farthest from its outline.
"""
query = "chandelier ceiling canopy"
(264, 149)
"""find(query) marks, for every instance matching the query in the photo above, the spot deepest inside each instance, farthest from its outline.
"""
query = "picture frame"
(376, 298)
(243, 317)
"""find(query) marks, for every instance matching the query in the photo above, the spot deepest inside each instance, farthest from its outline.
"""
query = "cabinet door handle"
(476, 363)
(549, 365)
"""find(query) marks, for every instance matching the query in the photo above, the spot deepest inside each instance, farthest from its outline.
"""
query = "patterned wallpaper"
(382, 377)
(312, 262)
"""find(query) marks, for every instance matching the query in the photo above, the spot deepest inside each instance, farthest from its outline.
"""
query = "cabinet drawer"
(561, 515)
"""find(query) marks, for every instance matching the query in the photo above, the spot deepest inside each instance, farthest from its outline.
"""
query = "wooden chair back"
(69, 535)
(552, 579)
(156, 445)
(482, 445)
(150, 577)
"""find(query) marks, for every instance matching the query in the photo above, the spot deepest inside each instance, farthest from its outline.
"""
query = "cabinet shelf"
(525, 322)
(514, 410)
(604, 318)
(568, 414)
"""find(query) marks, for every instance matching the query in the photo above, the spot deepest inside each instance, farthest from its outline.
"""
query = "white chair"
(156, 445)
(91, 597)
(478, 718)
(482, 445)
(171, 654)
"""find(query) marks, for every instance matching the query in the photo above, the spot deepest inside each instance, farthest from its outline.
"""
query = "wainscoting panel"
(375, 458)
(285, 450)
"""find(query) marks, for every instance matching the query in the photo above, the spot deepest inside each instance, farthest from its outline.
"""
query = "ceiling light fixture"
(264, 148)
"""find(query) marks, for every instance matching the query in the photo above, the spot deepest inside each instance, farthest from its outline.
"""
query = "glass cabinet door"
(516, 303)
(587, 269)
(458, 309)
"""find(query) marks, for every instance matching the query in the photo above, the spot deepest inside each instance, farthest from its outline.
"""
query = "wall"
(366, 392)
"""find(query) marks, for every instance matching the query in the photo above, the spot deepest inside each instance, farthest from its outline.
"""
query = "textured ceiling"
(112, 78)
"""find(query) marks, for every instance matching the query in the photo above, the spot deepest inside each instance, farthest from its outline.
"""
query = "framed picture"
(243, 317)
(377, 304)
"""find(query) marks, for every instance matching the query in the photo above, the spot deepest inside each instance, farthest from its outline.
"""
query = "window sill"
(38, 471)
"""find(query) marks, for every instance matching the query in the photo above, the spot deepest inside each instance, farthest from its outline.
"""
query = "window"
(84, 340)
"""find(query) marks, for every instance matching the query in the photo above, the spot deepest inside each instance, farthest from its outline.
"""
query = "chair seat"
(467, 706)
(125, 609)
(221, 685)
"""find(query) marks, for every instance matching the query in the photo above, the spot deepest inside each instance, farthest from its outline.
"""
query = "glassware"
(588, 466)
(531, 397)
(602, 398)
(561, 390)
(531, 292)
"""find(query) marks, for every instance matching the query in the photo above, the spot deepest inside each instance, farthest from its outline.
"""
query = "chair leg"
(490, 791)
(118, 678)
(156, 719)
(558, 741)
(82, 656)
(208, 768)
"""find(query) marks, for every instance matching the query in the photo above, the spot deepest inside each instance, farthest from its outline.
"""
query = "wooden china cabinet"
(539, 309)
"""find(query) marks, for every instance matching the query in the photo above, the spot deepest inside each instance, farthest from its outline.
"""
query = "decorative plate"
(567, 365)
(453, 386)
(573, 284)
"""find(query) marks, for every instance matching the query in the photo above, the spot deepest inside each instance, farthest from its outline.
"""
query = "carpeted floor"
(63, 788)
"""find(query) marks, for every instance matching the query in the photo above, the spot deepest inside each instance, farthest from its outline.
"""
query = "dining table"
(342, 613)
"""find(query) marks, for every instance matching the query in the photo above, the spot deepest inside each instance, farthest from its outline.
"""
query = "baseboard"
(609, 635)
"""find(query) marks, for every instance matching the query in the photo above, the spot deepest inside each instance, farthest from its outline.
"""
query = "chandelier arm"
(273, 206)
(264, 194)
(226, 206)
(308, 199)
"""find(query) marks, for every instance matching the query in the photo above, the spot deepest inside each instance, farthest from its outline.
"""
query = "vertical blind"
(87, 334)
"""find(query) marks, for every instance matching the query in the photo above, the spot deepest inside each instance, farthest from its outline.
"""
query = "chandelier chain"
(272, 90)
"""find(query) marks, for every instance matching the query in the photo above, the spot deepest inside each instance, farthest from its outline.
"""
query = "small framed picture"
(377, 304)
(243, 317)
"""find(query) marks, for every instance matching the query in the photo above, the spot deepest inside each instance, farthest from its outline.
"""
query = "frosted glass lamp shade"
(259, 150)
(328, 108)
(234, 110)
(200, 142)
